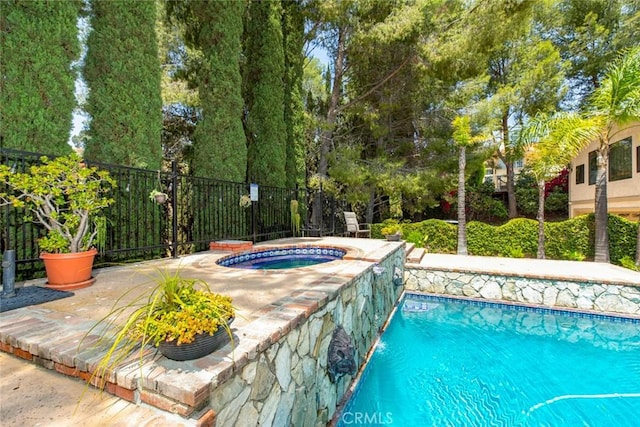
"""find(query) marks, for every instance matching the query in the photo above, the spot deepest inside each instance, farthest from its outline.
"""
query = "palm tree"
(638, 246)
(616, 102)
(550, 143)
(463, 138)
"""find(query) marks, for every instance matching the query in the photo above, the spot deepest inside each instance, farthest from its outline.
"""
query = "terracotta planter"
(202, 345)
(69, 271)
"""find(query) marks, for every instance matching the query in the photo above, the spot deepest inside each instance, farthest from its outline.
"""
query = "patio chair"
(354, 228)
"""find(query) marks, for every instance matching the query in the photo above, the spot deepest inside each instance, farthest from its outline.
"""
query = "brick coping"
(181, 388)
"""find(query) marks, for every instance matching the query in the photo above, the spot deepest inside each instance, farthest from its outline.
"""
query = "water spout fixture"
(397, 276)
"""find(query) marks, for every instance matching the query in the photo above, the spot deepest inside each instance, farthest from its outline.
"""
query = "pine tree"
(264, 94)
(215, 29)
(220, 145)
(293, 32)
(123, 74)
(38, 42)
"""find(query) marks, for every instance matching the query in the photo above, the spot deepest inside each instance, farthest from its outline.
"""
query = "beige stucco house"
(623, 186)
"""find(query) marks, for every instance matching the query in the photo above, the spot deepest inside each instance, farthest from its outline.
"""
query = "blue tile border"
(520, 308)
(293, 251)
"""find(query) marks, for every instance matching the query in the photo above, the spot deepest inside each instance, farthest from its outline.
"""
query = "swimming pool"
(282, 257)
(446, 362)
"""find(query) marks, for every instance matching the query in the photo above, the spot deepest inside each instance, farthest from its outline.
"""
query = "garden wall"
(597, 296)
(286, 381)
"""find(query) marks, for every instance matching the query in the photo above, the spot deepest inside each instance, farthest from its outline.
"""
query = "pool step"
(415, 255)
(408, 247)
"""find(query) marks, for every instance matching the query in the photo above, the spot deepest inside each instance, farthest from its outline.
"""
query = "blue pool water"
(284, 262)
(444, 362)
(282, 257)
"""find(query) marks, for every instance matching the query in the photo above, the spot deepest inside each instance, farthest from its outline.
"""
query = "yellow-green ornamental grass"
(193, 312)
(176, 310)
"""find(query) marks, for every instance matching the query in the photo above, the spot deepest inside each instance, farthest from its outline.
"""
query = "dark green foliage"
(572, 239)
(556, 201)
(622, 238)
(564, 238)
(416, 238)
(38, 42)
(482, 206)
(480, 239)
(264, 94)
(293, 34)
(517, 234)
(215, 28)
(527, 194)
(439, 236)
(123, 73)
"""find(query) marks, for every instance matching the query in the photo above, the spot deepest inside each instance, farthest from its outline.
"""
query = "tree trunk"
(326, 136)
(638, 246)
(332, 113)
(541, 253)
(462, 218)
(370, 206)
(508, 163)
(511, 190)
(601, 209)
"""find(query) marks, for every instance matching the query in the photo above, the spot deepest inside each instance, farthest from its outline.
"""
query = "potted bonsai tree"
(181, 316)
(66, 198)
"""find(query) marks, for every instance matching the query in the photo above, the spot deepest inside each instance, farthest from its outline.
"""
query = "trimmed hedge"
(571, 239)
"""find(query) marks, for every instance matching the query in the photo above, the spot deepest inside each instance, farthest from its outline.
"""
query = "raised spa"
(282, 258)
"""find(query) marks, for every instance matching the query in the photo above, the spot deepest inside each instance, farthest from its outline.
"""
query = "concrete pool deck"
(24, 399)
(58, 326)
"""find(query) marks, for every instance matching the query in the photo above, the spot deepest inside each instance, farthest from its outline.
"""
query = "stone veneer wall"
(601, 297)
(287, 383)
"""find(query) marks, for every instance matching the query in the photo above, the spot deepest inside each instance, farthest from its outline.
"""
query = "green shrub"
(622, 238)
(629, 263)
(571, 239)
(516, 253)
(564, 238)
(518, 233)
(573, 256)
(416, 238)
(439, 236)
(376, 231)
(481, 239)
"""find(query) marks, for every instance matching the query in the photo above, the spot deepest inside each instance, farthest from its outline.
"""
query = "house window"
(638, 159)
(519, 163)
(593, 167)
(620, 160)
(580, 174)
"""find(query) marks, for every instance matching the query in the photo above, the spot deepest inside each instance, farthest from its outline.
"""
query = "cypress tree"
(219, 147)
(264, 94)
(38, 42)
(293, 33)
(123, 73)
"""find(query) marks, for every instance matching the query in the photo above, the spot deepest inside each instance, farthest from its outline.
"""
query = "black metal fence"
(196, 212)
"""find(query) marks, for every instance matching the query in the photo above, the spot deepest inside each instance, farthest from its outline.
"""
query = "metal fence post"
(174, 209)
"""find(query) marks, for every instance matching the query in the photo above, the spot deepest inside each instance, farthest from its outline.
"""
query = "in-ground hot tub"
(282, 257)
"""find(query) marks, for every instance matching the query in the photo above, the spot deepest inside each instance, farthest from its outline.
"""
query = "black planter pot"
(202, 345)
